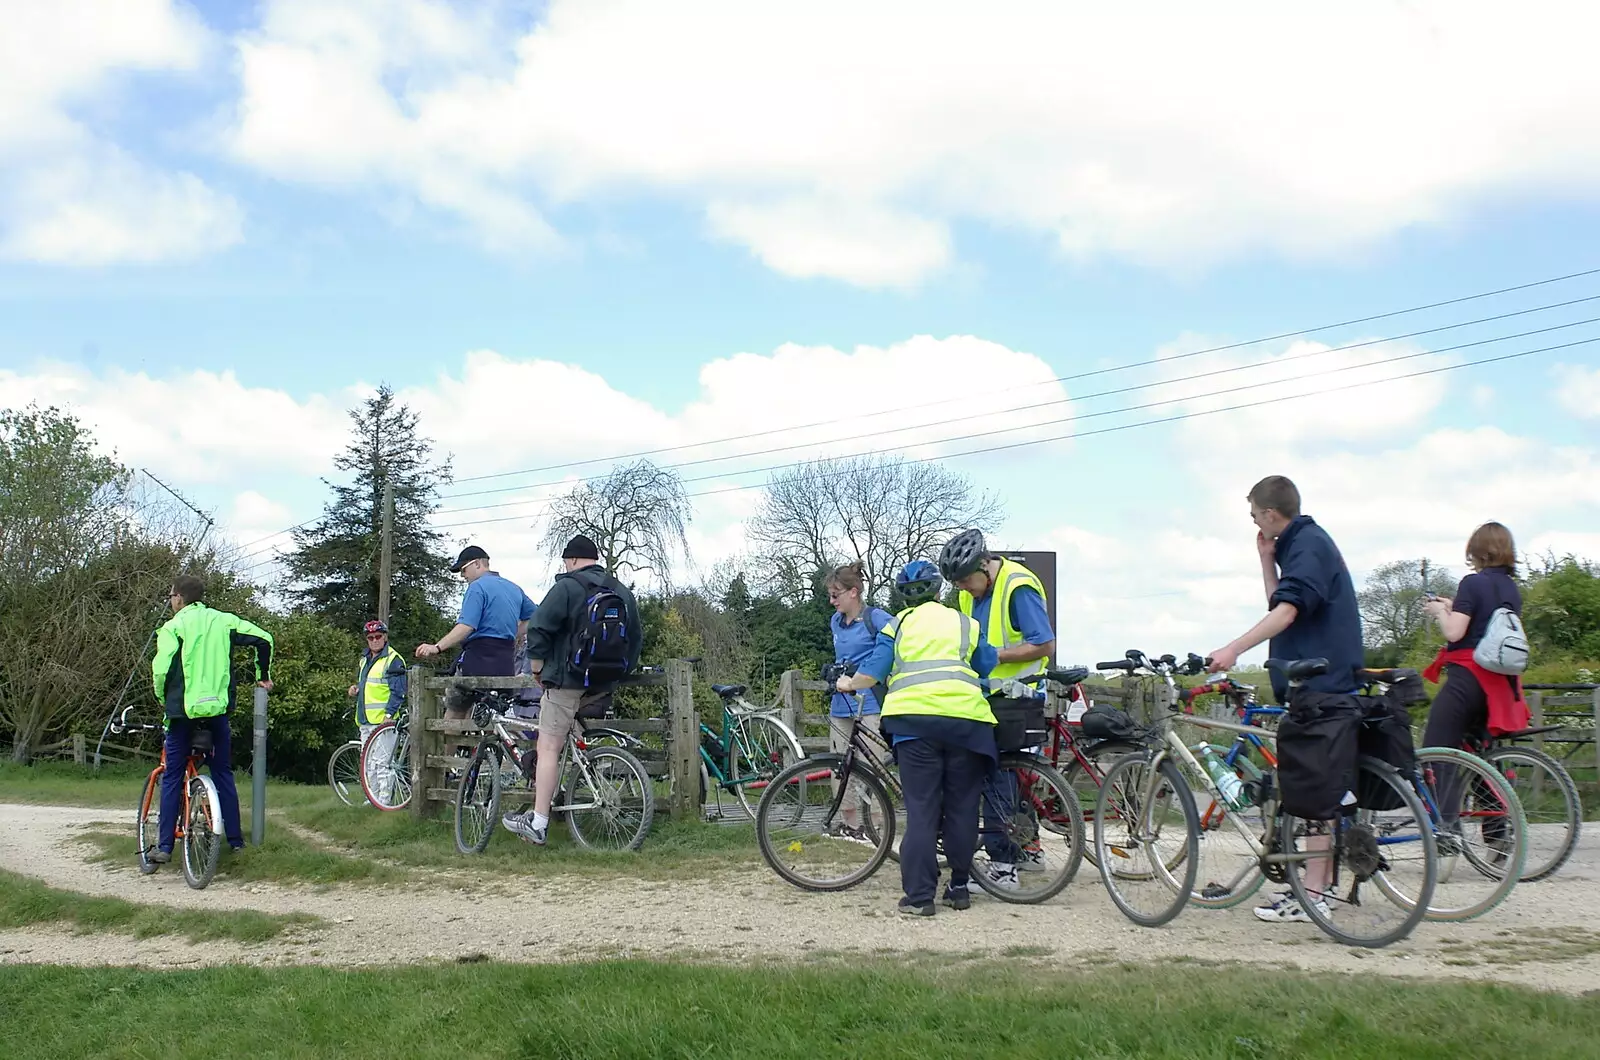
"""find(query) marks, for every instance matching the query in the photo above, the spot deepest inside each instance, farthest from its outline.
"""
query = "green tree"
(335, 562)
(1561, 608)
(1391, 608)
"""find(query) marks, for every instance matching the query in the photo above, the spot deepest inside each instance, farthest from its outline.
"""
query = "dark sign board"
(1042, 564)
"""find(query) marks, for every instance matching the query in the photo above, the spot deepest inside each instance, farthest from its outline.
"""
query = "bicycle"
(386, 763)
(199, 824)
(605, 793)
(344, 773)
(798, 813)
(1475, 817)
(753, 746)
(1148, 830)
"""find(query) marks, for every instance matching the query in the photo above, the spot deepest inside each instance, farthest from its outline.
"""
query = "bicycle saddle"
(1387, 677)
(1074, 675)
(201, 743)
(1299, 669)
(728, 691)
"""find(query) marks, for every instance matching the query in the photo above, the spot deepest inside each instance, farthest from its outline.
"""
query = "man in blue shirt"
(494, 619)
(1311, 599)
(1312, 614)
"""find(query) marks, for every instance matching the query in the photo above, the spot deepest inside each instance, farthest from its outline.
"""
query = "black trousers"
(1459, 711)
(942, 783)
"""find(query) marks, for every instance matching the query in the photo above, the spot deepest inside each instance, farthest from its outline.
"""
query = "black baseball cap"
(468, 554)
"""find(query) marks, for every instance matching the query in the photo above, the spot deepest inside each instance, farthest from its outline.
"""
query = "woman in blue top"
(856, 625)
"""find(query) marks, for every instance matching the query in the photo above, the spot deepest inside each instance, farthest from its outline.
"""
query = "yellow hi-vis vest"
(372, 703)
(931, 674)
(999, 632)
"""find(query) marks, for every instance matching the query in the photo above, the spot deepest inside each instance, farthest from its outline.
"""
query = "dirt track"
(1544, 935)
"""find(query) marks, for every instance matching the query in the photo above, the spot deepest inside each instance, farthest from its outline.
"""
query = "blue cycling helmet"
(919, 582)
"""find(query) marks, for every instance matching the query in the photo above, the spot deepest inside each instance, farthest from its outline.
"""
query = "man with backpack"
(584, 638)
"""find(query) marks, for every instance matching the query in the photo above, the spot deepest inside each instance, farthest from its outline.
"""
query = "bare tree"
(636, 514)
(1391, 601)
(880, 511)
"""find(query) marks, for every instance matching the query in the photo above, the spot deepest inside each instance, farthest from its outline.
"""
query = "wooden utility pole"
(386, 554)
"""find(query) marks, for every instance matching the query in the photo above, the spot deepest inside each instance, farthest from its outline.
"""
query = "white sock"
(541, 820)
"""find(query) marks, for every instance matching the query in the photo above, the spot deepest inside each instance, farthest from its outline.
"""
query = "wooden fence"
(76, 747)
(1576, 708)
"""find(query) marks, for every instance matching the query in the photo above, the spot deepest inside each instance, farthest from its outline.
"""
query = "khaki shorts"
(558, 709)
(839, 733)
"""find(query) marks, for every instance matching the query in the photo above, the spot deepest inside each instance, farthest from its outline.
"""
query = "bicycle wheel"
(386, 767)
(1334, 861)
(762, 748)
(610, 800)
(344, 774)
(148, 821)
(1479, 832)
(1019, 804)
(202, 839)
(1085, 782)
(1550, 804)
(478, 799)
(797, 813)
(1146, 839)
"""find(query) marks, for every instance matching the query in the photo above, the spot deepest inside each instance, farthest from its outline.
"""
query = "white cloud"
(1578, 390)
(199, 426)
(69, 196)
(1174, 136)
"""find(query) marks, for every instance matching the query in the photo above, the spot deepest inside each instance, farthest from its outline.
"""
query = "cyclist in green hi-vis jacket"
(192, 675)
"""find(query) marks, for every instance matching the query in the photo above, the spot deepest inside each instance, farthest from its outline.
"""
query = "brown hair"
(1491, 546)
(849, 576)
(1278, 494)
(191, 589)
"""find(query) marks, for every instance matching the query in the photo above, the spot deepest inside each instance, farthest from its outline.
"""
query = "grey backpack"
(1504, 647)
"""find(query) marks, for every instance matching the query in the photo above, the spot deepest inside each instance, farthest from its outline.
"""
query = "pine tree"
(336, 561)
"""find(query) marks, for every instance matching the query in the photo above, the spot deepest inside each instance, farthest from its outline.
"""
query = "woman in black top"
(1462, 707)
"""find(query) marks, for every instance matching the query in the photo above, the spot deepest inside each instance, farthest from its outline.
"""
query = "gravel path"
(1544, 935)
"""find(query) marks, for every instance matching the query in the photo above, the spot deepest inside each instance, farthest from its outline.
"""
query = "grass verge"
(284, 857)
(876, 1009)
(24, 902)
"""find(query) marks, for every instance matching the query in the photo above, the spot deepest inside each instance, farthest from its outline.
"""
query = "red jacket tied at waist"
(1508, 711)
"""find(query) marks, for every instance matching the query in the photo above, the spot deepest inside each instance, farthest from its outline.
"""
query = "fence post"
(1594, 695)
(791, 702)
(258, 771)
(422, 707)
(683, 740)
(1536, 716)
(79, 751)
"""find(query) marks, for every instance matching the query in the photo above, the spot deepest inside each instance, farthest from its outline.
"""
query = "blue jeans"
(220, 759)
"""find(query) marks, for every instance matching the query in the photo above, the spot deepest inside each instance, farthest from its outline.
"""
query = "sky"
(1155, 255)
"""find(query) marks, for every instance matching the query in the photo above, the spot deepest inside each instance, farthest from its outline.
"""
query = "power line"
(1081, 416)
(1131, 426)
(1059, 379)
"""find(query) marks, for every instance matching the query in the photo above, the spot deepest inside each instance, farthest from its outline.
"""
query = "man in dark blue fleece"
(1311, 600)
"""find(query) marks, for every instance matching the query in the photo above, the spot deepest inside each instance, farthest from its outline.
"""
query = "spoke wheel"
(1031, 819)
(148, 825)
(202, 845)
(1085, 782)
(1351, 882)
(344, 774)
(1550, 804)
(611, 800)
(800, 817)
(386, 767)
(478, 799)
(762, 748)
(1146, 839)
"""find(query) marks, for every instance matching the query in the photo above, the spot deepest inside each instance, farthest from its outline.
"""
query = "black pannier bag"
(1317, 753)
(1385, 735)
(1019, 723)
(1105, 722)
